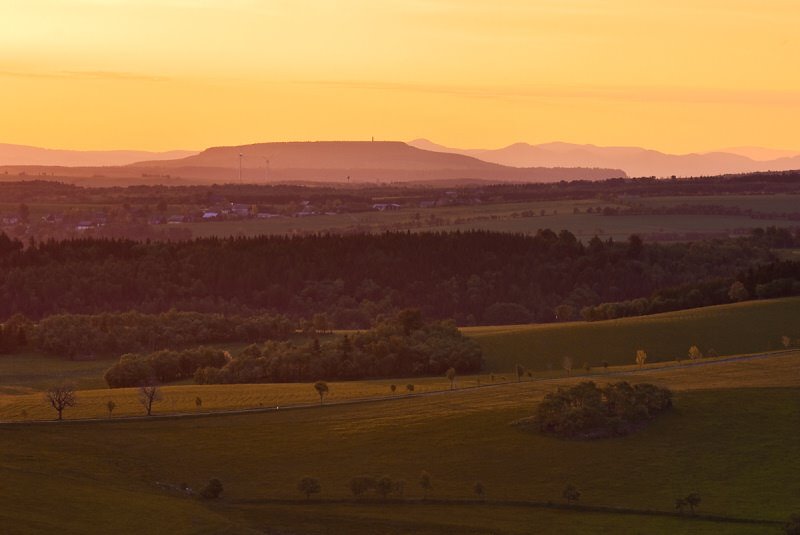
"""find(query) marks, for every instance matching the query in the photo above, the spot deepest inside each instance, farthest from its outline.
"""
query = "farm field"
(504, 218)
(759, 203)
(746, 327)
(749, 327)
(121, 469)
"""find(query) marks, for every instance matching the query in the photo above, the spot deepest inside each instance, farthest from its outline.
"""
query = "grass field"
(732, 437)
(746, 327)
(759, 203)
(493, 217)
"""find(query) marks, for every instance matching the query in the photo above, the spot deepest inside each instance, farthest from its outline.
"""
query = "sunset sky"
(678, 75)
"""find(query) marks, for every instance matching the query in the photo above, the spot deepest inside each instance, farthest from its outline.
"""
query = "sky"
(678, 75)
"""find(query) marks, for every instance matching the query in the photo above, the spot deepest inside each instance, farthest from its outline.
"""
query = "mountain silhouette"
(27, 155)
(359, 161)
(635, 161)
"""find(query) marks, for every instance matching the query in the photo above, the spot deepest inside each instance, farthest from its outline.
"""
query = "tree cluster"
(587, 411)
(163, 366)
(402, 346)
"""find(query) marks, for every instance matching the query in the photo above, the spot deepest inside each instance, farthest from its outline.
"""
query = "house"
(242, 210)
(207, 216)
(84, 225)
(382, 207)
(175, 219)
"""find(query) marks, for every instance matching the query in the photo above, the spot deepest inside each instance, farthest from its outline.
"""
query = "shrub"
(212, 491)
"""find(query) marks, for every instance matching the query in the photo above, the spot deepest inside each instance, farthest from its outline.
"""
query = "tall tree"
(61, 396)
(149, 393)
(322, 389)
(451, 376)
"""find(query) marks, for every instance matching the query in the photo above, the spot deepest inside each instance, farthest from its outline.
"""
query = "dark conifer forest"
(348, 281)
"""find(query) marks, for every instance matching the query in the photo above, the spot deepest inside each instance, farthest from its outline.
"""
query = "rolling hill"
(335, 161)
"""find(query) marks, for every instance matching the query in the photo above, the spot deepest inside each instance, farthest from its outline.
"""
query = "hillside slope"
(746, 327)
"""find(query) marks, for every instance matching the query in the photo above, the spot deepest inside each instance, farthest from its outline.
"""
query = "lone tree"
(309, 486)
(641, 357)
(393, 388)
(60, 396)
(360, 485)
(322, 389)
(410, 387)
(425, 483)
(213, 490)
(149, 393)
(571, 494)
(737, 292)
(479, 490)
(695, 353)
(451, 376)
(520, 371)
(680, 504)
(692, 500)
(792, 527)
(566, 364)
(198, 402)
(111, 406)
(384, 486)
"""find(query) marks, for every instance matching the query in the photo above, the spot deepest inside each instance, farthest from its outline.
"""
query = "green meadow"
(732, 437)
(747, 327)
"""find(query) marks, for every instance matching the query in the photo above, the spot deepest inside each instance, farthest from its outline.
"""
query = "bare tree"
(111, 406)
(695, 353)
(479, 490)
(451, 376)
(566, 364)
(322, 388)
(571, 494)
(425, 483)
(149, 393)
(60, 396)
(641, 357)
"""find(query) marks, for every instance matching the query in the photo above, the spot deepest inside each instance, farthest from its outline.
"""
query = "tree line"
(472, 277)
(83, 335)
(402, 346)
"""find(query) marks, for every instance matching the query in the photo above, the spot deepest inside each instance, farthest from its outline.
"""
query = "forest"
(471, 277)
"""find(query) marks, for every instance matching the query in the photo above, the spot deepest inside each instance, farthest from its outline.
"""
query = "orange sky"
(677, 75)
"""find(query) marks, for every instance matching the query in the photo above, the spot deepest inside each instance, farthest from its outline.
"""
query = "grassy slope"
(730, 329)
(736, 446)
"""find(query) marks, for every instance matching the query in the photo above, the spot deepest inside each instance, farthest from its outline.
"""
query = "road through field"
(655, 370)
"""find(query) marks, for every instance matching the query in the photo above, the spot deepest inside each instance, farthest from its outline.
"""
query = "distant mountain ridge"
(635, 161)
(11, 154)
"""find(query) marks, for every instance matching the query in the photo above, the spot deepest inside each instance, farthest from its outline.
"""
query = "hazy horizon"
(678, 78)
